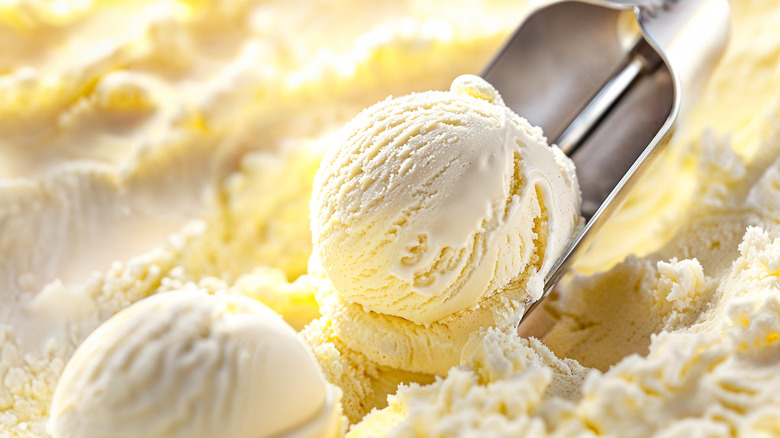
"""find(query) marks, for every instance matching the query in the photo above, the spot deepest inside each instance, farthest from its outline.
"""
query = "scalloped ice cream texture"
(429, 202)
(194, 364)
(153, 126)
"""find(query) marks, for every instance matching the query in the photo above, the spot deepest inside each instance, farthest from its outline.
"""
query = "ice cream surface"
(501, 378)
(429, 202)
(159, 145)
(194, 364)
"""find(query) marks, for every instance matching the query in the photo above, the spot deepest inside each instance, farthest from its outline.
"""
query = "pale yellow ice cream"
(143, 145)
(433, 215)
(365, 383)
(194, 364)
(429, 202)
(501, 379)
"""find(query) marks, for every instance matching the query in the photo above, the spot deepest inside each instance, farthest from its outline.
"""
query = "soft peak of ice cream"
(433, 200)
(192, 364)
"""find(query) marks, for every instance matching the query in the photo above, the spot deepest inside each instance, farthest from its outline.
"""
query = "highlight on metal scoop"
(606, 80)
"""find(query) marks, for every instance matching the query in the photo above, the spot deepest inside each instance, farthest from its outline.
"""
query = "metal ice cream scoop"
(606, 80)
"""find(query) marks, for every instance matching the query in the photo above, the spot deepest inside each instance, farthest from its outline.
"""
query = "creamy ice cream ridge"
(194, 364)
(431, 202)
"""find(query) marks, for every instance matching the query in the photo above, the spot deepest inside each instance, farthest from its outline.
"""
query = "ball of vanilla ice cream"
(195, 365)
(429, 202)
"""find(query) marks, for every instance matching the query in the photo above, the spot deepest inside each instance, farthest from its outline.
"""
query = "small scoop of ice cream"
(196, 365)
(433, 201)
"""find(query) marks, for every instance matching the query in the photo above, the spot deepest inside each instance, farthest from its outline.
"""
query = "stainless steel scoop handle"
(608, 92)
(642, 60)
